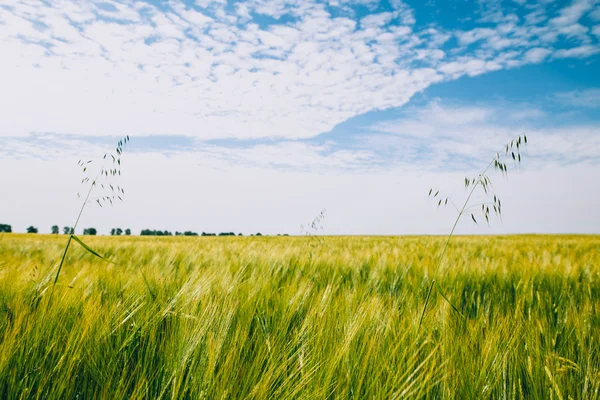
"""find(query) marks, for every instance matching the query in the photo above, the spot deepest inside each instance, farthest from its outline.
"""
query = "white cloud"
(524, 114)
(577, 52)
(211, 3)
(536, 16)
(468, 66)
(536, 55)
(572, 13)
(581, 98)
(475, 35)
(566, 22)
(376, 20)
(445, 135)
(543, 26)
(177, 69)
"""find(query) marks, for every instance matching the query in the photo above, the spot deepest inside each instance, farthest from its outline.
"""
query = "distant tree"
(240, 234)
(90, 231)
(127, 232)
(258, 234)
(150, 232)
(5, 228)
(55, 229)
(113, 231)
(32, 229)
(67, 230)
(116, 231)
(189, 233)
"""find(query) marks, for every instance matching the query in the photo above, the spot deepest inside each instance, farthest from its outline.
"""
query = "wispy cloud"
(589, 98)
(442, 136)
(211, 70)
(438, 136)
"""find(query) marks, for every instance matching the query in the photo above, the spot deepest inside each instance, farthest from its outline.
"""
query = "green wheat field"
(300, 318)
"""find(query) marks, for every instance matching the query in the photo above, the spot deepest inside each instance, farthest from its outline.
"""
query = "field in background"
(300, 317)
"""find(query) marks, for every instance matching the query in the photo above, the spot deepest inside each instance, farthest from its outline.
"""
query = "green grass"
(263, 318)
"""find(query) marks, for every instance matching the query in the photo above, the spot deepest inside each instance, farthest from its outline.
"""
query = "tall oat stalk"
(311, 231)
(110, 169)
(484, 183)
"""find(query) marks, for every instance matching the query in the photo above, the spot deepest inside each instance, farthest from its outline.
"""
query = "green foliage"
(4, 228)
(186, 233)
(32, 229)
(68, 230)
(88, 248)
(90, 231)
(55, 230)
(250, 318)
(150, 232)
(127, 232)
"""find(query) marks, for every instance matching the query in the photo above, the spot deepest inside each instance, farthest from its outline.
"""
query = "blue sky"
(299, 106)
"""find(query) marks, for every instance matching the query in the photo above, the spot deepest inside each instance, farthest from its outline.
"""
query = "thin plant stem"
(441, 258)
(72, 236)
(75, 227)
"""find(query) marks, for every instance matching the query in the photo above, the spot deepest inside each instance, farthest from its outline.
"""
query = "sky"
(254, 116)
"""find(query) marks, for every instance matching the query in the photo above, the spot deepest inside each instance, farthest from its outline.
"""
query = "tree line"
(68, 230)
(150, 232)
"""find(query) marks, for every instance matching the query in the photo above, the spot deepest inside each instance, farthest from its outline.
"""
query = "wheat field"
(300, 318)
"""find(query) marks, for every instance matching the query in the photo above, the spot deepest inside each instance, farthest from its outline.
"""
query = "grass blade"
(89, 249)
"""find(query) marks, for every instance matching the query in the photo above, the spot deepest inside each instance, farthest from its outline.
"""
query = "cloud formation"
(439, 136)
(589, 98)
(254, 69)
(445, 136)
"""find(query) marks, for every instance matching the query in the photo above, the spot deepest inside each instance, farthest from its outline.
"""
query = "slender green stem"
(75, 227)
(478, 205)
(72, 234)
(87, 197)
(441, 259)
(62, 260)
